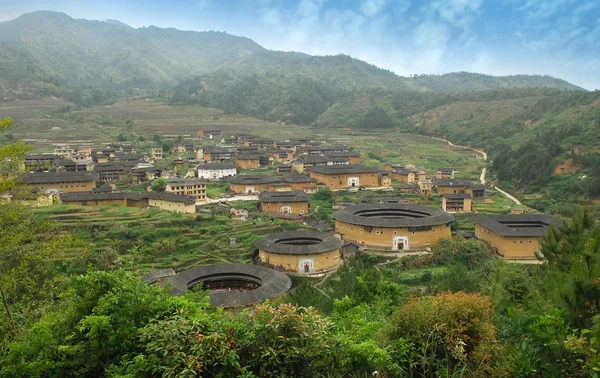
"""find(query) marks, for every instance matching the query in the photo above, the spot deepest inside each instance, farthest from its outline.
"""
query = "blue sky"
(560, 38)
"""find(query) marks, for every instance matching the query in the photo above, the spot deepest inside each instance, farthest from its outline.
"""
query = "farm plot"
(146, 239)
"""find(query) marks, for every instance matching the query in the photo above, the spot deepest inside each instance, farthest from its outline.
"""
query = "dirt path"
(483, 154)
(483, 171)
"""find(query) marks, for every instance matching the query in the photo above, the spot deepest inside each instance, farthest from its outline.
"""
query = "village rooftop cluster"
(298, 168)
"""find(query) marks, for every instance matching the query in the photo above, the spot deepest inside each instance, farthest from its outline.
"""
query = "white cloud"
(271, 17)
(370, 8)
(432, 34)
(401, 7)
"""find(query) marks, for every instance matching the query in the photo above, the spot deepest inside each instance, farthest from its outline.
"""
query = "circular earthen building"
(392, 226)
(300, 251)
(233, 285)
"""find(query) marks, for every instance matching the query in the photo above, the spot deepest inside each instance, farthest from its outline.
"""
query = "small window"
(361, 230)
(530, 242)
(395, 233)
(521, 242)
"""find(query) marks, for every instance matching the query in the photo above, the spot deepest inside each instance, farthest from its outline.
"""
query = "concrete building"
(392, 226)
(300, 251)
(346, 176)
(66, 182)
(216, 171)
(294, 202)
(188, 187)
(514, 236)
(457, 202)
(425, 186)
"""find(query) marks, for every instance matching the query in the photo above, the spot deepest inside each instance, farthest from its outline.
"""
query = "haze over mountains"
(43, 53)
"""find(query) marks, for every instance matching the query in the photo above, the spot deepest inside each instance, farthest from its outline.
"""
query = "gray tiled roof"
(453, 182)
(57, 177)
(273, 284)
(294, 196)
(252, 179)
(343, 169)
(393, 215)
(217, 166)
(288, 242)
(457, 195)
(524, 225)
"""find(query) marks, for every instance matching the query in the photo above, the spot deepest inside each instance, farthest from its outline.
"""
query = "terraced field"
(146, 239)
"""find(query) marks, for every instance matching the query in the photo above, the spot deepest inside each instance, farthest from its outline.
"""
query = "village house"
(284, 169)
(40, 162)
(301, 182)
(393, 166)
(514, 236)
(445, 173)
(238, 213)
(171, 202)
(446, 186)
(346, 176)
(129, 199)
(351, 156)
(425, 186)
(216, 171)
(66, 182)
(404, 175)
(457, 202)
(247, 161)
(260, 143)
(188, 187)
(250, 184)
(209, 134)
(279, 145)
(156, 153)
(214, 154)
(305, 163)
(179, 147)
(282, 156)
(65, 151)
(295, 202)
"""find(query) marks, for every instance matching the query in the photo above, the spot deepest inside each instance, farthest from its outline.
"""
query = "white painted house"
(216, 171)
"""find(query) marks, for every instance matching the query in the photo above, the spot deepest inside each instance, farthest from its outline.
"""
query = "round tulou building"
(392, 226)
(233, 285)
(300, 251)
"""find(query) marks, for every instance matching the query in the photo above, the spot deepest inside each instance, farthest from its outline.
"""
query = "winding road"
(483, 171)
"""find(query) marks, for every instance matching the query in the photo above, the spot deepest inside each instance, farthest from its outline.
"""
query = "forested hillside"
(49, 53)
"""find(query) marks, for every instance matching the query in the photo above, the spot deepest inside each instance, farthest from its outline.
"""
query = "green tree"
(573, 253)
(159, 185)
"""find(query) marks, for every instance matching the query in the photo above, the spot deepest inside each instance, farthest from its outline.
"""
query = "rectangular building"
(514, 236)
(346, 176)
(295, 202)
(459, 202)
(188, 187)
(66, 182)
(216, 171)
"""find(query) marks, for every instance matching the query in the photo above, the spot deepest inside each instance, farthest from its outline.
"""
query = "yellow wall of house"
(509, 247)
(467, 206)
(453, 189)
(247, 164)
(71, 187)
(178, 207)
(340, 181)
(243, 188)
(297, 207)
(383, 237)
(354, 160)
(322, 261)
(408, 178)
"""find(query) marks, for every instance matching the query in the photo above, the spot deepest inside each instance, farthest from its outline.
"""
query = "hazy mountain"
(51, 53)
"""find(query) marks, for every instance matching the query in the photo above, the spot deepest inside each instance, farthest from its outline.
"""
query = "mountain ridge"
(63, 54)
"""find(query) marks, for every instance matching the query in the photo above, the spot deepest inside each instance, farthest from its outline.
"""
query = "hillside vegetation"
(48, 53)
